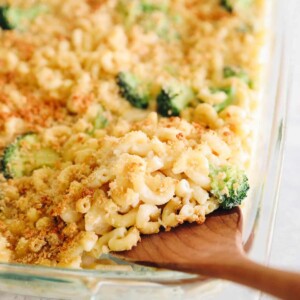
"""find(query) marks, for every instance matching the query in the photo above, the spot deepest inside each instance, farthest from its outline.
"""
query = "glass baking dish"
(132, 281)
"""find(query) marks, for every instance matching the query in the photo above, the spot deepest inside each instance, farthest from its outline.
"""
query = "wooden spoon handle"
(281, 284)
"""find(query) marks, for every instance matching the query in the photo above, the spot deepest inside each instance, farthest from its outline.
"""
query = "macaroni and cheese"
(121, 118)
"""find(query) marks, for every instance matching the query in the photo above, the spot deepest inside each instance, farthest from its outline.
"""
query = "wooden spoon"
(213, 249)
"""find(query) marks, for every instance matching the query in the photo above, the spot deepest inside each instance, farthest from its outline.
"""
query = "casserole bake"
(187, 115)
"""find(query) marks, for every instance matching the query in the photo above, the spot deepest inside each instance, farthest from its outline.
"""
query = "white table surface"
(285, 252)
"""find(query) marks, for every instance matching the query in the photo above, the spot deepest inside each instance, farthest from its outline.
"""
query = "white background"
(285, 251)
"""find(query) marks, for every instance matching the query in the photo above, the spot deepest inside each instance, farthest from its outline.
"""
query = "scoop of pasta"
(103, 193)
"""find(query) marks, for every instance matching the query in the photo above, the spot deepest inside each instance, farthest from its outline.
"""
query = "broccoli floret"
(147, 7)
(239, 73)
(133, 10)
(227, 5)
(4, 22)
(173, 99)
(12, 17)
(230, 5)
(132, 90)
(99, 121)
(25, 155)
(164, 28)
(142, 12)
(229, 185)
(96, 117)
(230, 92)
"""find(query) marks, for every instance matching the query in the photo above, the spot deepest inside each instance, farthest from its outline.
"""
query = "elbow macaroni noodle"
(122, 172)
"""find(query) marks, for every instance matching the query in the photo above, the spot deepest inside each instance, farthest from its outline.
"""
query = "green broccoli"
(239, 73)
(230, 92)
(230, 5)
(143, 13)
(25, 155)
(227, 5)
(98, 120)
(131, 89)
(229, 185)
(135, 9)
(173, 99)
(163, 27)
(147, 7)
(12, 17)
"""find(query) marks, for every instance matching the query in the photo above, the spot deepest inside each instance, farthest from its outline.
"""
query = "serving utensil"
(213, 249)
